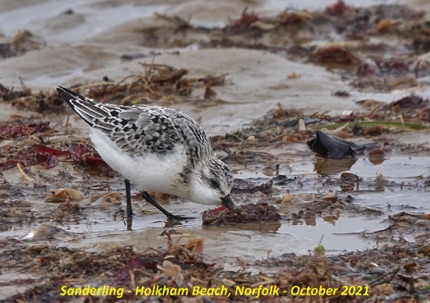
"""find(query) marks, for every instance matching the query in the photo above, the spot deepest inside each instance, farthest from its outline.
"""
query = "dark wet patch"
(248, 213)
(24, 41)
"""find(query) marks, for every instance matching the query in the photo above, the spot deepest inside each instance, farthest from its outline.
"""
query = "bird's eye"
(214, 183)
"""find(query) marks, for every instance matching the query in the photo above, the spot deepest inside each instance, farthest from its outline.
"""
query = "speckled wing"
(140, 129)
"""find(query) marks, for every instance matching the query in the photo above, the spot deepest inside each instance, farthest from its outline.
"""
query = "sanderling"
(157, 149)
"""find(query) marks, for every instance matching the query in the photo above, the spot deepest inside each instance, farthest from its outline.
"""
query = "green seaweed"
(396, 124)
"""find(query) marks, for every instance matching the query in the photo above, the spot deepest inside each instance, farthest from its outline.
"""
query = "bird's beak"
(227, 202)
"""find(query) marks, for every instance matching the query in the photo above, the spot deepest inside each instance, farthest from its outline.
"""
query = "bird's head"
(212, 183)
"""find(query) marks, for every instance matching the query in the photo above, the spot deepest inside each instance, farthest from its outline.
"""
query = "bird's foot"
(178, 218)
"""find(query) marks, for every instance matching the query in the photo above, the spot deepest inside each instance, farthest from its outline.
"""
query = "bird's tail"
(86, 108)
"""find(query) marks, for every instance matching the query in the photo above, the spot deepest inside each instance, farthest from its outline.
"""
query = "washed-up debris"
(36, 154)
(415, 220)
(172, 270)
(414, 111)
(44, 232)
(63, 195)
(107, 200)
(412, 107)
(296, 33)
(399, 271)
(48, 157)
(10, 94)
(333, 37)
(15, 212)
(280, 127)
(158, 84)
(307, 207)
(23, 173)
(338, 9)
(300, 198)
(19, 129)
(84, 155)
(336, 55)
(25, 99)
(379, 273)
(23, 42)
(252, 212)
(109, 197)
(247, 186)
(376, 155)
(349, 181)
(335, 148)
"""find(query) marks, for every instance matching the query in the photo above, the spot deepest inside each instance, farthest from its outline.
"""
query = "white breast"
(151, 172)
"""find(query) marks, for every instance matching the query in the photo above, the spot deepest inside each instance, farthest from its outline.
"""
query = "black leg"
(128, 211)
(128, 195)
(148, 198)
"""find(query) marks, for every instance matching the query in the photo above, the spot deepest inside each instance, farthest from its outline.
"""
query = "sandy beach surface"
(83, 43)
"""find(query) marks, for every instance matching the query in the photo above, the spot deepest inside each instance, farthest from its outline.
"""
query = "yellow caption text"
(256, 292)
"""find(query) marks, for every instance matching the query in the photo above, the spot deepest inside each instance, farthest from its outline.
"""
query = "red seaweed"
(21, 129)
(82, 155)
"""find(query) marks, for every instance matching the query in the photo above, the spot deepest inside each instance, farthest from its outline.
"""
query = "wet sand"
(79, 43)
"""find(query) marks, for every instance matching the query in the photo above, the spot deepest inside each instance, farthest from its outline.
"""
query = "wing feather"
(141, 129)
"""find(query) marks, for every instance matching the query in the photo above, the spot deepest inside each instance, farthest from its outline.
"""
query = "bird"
(156, 149)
